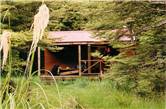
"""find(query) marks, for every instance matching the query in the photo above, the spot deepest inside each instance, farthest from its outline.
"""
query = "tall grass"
(102, 95)
(77, 94)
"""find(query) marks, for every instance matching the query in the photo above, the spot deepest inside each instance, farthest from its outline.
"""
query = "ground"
(84, 94)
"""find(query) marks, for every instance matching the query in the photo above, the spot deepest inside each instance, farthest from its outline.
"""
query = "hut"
(75, 59)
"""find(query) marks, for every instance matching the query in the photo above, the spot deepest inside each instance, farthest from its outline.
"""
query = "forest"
(130, 81)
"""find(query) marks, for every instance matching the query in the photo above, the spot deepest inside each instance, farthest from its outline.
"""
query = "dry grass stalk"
(41, 20)
(5, 45)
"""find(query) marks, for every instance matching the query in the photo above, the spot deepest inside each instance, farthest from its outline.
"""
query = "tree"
(144, 72)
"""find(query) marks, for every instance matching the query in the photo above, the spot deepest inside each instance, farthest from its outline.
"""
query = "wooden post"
(39, 63)
(101, 70)
(79, 59)
(89, 58)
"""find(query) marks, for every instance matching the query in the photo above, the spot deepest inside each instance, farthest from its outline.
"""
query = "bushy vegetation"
(77, 94)
(142, 73)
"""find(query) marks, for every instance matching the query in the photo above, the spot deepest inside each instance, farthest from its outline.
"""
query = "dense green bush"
(143, 73)
(63, 15)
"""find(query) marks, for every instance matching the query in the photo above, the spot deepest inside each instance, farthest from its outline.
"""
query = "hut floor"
(69, 77)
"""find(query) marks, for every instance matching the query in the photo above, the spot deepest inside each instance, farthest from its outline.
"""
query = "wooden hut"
(75, 59)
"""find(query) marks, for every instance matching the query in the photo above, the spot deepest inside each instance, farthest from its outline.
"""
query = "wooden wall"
(50, 60)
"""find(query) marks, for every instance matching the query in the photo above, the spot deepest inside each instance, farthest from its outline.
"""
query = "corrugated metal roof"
(73, 37)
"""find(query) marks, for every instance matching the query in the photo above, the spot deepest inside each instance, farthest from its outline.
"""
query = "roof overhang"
(81, 43)
(75, 38)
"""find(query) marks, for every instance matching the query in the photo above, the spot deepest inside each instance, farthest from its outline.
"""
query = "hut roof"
(74, 37)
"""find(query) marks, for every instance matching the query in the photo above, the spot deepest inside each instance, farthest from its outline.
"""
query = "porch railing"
(87, 67)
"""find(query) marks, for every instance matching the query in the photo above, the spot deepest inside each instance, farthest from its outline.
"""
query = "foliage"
(63, 15)
(142, 73)
(18, 67)
(81, 94)
(20, 44)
